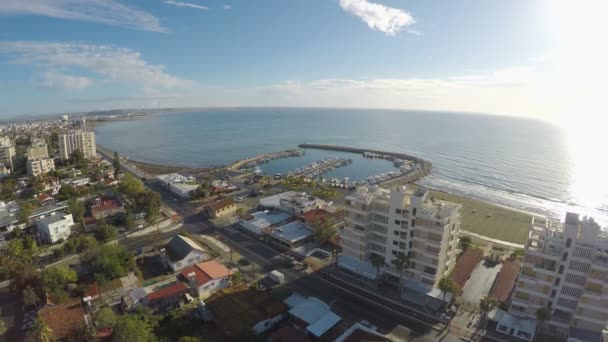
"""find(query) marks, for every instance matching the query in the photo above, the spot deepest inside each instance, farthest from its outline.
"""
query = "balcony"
(601, 260)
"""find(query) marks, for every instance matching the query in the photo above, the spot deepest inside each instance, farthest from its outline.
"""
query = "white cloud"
(109, 12)
(227, 7)
(185, 4)
(55, 80)
(379, 17)
(109, 63)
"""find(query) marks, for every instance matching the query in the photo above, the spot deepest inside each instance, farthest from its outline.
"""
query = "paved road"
(479, 285)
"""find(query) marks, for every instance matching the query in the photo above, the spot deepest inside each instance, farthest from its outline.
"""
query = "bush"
(60, 241)
(58, 253)
(106, 233)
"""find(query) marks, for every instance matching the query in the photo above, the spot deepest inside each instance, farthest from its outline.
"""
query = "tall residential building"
(80, 140)
(37, 151)
(40, 166)
(565, 270)
(402, 221)
(7, 152)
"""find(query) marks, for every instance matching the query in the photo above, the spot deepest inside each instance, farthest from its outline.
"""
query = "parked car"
(238, 199)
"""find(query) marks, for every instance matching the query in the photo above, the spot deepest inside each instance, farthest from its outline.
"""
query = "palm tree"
(447, 284)
(377, 261)
(542, 315)
(402, 263)
(485, 305)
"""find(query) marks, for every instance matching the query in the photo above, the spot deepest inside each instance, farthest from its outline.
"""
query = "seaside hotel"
(401, 221)
(82, 141)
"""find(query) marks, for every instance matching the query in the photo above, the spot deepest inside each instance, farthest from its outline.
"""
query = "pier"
(321, 167)
(264, 158)
(423, 170)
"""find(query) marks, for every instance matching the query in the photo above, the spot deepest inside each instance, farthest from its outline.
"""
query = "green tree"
(129, 223)
(23, 215)
(29, 246)
(191, 339)
(130, 186)
(377, 261)
(105, 318)
(105, 233)
(7, 191)
(401, 263)
(464, 243)
(67, 192)
(116, 164)
(77, 159)
(131, 328)
(153, 207)
(41, 332)
(236, 278)
(30, 298)
(81, 334)
(55, 279)
(323, 230)
(110, 262)
(23, 274)
(240, 211)
(77, 209)
(448, 285)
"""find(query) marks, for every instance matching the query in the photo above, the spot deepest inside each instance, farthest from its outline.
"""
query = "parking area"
(479, 285)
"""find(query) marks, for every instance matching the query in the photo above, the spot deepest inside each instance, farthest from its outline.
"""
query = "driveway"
(479, 285)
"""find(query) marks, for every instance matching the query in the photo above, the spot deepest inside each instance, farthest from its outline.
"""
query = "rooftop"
(505, 280)
(168, 291)
(55, 218)
(261, 220)
(291, 232)
(180, 246)
(465, 265)
(63, 318)
(316, 314)
(221, 204)
(206, 271)
(105, 205)
(175, 178)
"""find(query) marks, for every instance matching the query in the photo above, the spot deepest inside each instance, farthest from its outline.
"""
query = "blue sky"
(471, 55)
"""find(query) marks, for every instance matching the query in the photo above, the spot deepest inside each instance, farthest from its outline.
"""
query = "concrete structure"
(7, 152)
(262, 222)
(37, 151)
(407, 222)
(55, 227)
(221, 208)
(512, 325)
(207, 277)
(291, 202)
(182, 252)
(40, 166)
(82, 141)
(565, 270)
(311, 315)
(167, 297)
(180, 185)
(292, 236)
(106, 207)
(8, 216)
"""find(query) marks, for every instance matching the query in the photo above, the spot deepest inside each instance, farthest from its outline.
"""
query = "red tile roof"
(44, 197)
(169, 291)
(105, 205)
(206, 271)
(505, 280)
(315, 214)
(63, 318)
(465, 265)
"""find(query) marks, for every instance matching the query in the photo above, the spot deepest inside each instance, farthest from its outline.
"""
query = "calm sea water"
(517, 162)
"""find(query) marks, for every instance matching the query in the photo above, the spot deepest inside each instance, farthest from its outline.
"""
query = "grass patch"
(490, 220)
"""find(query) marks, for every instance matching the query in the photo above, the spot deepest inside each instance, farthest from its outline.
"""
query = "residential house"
(80, 181)
(113, 292)
(55, 227)
(106, 207)
(512, 325)
(361, 332)
(262, 222)
(293, 203)
(182, 252)
(221, 208)
(8, 216)
(291, 236)
(206, 277)
(504, 284)
(311, 315)
(44, 199)
(242, 312)
(167, 297)
(40, 166)
(180, 185)
(63, 319)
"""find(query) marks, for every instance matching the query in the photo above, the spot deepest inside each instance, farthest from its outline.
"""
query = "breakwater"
(423, 166)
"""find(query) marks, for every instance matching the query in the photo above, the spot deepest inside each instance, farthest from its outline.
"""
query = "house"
(64, 318)
(242, 312)
(106, 207)
(221, 208)
(113, 292)
(55, 227)
(261, 222)
(311, 315)
(207, 277)
(90, 224)
(182, 252)
(504, 284)
(180, 185)
(8, 216)
(292, 236)
(288, 334)
(109, 181)
(291, 202)
(44, 199)
(512, 325)
(361, 332)
(81, 181)
(166, 297)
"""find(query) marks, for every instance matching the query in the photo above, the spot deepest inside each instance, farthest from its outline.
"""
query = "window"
(561, 269)
(397, 211)
(565, 256)
(568, 242)
(396, 232)
(395, 243)
(414, 212)
(411, 233)
(397, 222)
(413, 222)
(430, 270)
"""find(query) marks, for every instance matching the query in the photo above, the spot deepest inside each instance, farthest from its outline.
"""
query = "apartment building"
(37, 151)
(82, 141)
(402, 221)
(55, 227)
(7, 152)
(40, 166)
(565, 269)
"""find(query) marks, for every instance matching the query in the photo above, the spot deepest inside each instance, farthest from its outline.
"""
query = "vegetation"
(55, 279)
(448, 285)
(325, 193)
(7, 190)
(105, 318)
(130, 186)
(143, 200)
(81, 244)
(236, 278)
(323, 230)
(78, 160)
(30, 298)
(129, 222)
(116, 165)
(485, 306)
(23, 215)
(377, 261)
(464, 243)
(296, 183)
(67, 192)
(110, 262)
(77, 209)
(105, 233)
(40, 333)
(133, 328)
(240, 211)
(402, 263)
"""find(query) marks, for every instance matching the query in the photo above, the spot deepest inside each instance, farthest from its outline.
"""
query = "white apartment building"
(565, 269)
(7, 152)
(402, 221)
(40, 166)
(55, 227)
(37, 151)
(80, 140)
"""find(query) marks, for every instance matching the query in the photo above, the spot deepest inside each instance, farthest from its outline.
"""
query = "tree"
(81, 334)
(116, 164)
(448, 285)
(190, 339)
(402, 263)
(110, 262)
(30, 298)
(153, 207)
(129, 223)
(485, 306)
(77, 159)
(55, 279)
(240, 211)
(130, 186)
(105, 233)
(377, 261)
(105, 318)
(7, 191)
(131, 328)
(236, 278)
(67, 192)
(323, 230)
(23, 215)
(464, 243)
(41, 332)
(77, 209)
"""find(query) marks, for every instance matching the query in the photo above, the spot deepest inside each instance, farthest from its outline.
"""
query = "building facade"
(402, 221)
(565, 271)
(55, 227)
(40, 166)
(82, 141)
(7, 155)
(37, 151)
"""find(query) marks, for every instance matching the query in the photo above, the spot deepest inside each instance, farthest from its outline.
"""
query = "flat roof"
(36, 212)
(54, 218)
(275, 200)
(259, 220)
(291, 232)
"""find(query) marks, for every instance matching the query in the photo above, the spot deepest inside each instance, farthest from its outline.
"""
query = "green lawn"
(503, 224)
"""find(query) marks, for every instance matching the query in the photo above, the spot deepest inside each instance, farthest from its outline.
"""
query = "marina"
(320, 167)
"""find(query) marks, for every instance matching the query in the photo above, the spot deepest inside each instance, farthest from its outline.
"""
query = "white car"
(239, 199)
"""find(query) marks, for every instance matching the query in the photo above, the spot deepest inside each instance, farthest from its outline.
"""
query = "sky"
(542, 59)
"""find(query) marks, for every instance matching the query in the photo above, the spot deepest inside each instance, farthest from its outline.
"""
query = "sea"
(516, 162)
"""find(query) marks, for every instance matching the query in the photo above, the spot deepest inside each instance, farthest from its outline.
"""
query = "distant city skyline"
(537, 59)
